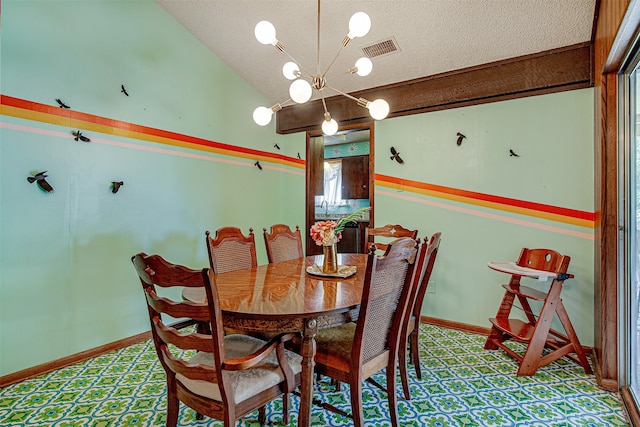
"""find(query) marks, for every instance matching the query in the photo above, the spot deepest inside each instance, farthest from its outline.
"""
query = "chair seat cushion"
(333, 346)
(246, 383)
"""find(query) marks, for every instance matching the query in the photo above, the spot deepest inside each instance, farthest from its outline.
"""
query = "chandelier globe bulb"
(266, 33)
(359, 25)
(378, 109)
(262, 116)
(330, 126)
(364, 66)
(291, 71)
(300, 91)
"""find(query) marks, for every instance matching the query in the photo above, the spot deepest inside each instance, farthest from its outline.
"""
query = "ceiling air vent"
(384, 47)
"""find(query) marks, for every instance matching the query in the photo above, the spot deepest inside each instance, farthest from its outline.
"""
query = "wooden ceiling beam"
(557, 70)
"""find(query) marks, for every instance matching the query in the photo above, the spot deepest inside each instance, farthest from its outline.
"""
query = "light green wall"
(553, 135)
(66, 280)
(66, 283)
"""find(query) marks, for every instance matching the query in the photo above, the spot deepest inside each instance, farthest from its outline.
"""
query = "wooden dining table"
(283, 297)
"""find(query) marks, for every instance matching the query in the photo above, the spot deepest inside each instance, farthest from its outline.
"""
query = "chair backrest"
(384, 298)
(231, 250)
(544, 259)
(282, 244)
(422, 274)
(154, 271)
(389, 232)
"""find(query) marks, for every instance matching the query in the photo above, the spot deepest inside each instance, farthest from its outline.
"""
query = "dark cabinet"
(352, 237)
(355, 177)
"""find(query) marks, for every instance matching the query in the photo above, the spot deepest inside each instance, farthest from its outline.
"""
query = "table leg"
(308, 352)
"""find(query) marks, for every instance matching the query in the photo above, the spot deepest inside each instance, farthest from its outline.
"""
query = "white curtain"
(333, 182)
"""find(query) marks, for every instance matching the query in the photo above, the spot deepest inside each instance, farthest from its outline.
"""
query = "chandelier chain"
(318, 42)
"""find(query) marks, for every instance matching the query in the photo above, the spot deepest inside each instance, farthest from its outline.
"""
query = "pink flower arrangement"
(324, 233)
(327, 233)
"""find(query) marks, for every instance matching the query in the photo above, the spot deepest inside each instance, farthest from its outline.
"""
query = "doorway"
(340, 180)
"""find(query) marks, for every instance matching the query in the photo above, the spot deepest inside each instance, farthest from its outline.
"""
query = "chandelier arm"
(297, 63)
(278, 105)
(343, 94)
(333, 76)
(324, 104)
(334, 60)
(282, 104)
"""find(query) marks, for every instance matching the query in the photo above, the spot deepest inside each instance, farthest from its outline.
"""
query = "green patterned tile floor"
(462, 385)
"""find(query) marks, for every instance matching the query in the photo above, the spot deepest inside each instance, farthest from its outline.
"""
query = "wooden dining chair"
(231, 250)
(411, 324)
(222, 377)
(389, 232)
(353, 352)
(282, 244)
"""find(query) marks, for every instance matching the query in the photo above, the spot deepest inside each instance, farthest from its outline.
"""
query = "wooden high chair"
(541, 264)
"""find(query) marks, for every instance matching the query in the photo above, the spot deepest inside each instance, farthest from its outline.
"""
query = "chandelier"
(304, 82)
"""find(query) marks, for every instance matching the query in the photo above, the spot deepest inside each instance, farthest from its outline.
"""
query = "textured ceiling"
(434, 36)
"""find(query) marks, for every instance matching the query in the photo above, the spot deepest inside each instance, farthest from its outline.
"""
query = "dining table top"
(286, 290)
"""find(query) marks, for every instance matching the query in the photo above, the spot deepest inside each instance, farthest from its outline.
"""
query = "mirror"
(339, 182)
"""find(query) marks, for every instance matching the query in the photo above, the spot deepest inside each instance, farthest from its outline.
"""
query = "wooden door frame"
(310, 247)
(616, 30)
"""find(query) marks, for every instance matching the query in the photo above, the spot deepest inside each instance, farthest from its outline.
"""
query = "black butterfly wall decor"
(39, 178)
(276, 146)
(257, 163)
(115, 186)
(460, 138)
(61, 104)
(395, 155)
(123, 90)
(79, 136)
(513, 154)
